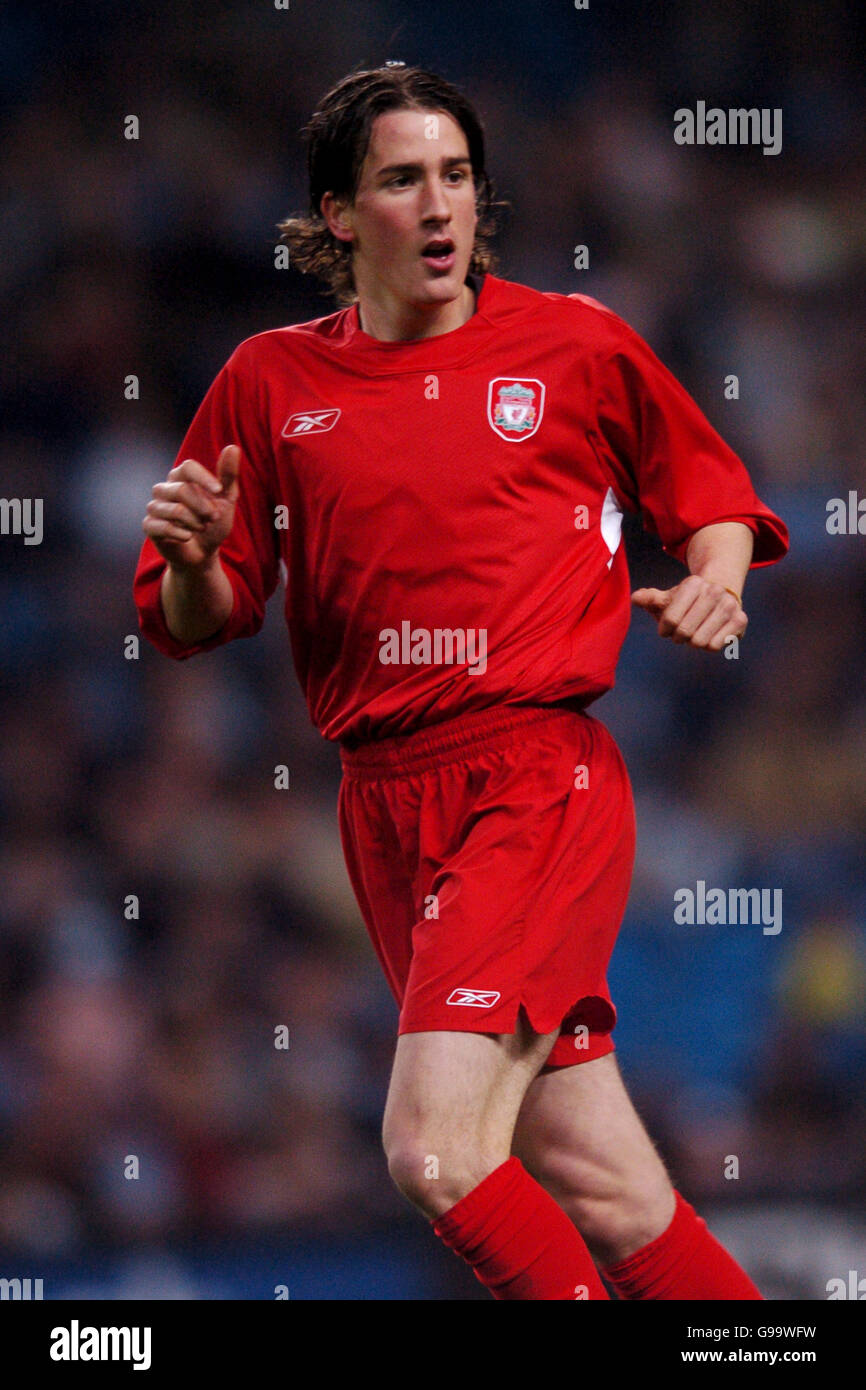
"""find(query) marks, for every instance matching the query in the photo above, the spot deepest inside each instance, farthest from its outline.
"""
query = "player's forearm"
(196, 600)
(722, 552)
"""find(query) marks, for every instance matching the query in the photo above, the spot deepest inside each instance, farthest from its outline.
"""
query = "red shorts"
(489, 880)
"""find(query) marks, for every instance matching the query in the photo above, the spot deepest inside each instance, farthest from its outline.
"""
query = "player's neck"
(408, 322)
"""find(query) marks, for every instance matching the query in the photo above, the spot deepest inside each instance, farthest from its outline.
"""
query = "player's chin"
(440, 285)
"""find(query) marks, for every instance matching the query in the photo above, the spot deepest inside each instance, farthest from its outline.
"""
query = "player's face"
(413, 218)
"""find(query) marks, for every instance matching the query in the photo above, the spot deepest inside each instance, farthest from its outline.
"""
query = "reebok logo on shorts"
(474, 998)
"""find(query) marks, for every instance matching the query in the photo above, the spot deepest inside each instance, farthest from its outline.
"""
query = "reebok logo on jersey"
(310, 422)
(474, 998)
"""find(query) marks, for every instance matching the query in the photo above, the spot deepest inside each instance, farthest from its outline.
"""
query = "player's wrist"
(728, 588)
(196, 600)
(204, 568)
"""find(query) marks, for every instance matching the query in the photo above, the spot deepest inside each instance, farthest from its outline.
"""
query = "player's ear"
(336, 214)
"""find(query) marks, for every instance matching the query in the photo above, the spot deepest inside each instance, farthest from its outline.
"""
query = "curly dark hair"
(338, 137)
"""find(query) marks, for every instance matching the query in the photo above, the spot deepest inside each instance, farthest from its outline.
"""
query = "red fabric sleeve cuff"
(151, 618)
(771, 538)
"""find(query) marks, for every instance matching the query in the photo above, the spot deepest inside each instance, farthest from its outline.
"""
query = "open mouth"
(440, 252)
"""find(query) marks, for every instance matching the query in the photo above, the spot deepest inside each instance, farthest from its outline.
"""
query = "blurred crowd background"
(149, 1031)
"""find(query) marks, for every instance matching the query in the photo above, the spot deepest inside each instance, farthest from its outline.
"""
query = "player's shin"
(519, 1242)
(684, 1262)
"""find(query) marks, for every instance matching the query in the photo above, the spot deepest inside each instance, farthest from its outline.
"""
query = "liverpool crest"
(515, 406)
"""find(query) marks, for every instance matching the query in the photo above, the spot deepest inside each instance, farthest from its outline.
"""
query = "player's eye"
(399, 179)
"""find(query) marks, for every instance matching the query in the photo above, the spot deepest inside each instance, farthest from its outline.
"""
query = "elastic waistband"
(445, 742)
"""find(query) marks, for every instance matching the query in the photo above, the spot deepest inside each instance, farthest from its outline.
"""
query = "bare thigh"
(452, 1104)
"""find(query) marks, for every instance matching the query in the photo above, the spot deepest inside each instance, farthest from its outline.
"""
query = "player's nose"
(435, 205)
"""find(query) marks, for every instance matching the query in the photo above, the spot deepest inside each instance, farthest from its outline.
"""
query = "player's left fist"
(698, 612)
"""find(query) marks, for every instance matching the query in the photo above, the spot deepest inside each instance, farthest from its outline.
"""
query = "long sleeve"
(229, 414)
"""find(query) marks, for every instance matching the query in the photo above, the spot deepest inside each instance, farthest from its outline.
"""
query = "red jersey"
(446, 513)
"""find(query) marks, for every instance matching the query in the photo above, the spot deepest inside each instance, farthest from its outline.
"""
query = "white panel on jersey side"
(611, 523)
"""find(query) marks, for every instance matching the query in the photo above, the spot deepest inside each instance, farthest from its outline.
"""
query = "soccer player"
(453, 453)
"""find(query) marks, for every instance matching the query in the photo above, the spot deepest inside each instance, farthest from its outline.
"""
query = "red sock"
(684, 1262)
(519, 1242)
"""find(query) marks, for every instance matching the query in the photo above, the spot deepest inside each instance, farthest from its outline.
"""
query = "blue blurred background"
(154, 1036)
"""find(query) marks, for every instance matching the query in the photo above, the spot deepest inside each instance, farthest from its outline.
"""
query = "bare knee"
(581, 1137)
(451, 1110)
(617, 1213)
(616, 1227)
(435, 1173)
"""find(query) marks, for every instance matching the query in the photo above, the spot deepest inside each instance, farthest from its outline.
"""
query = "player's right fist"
(190, 515)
